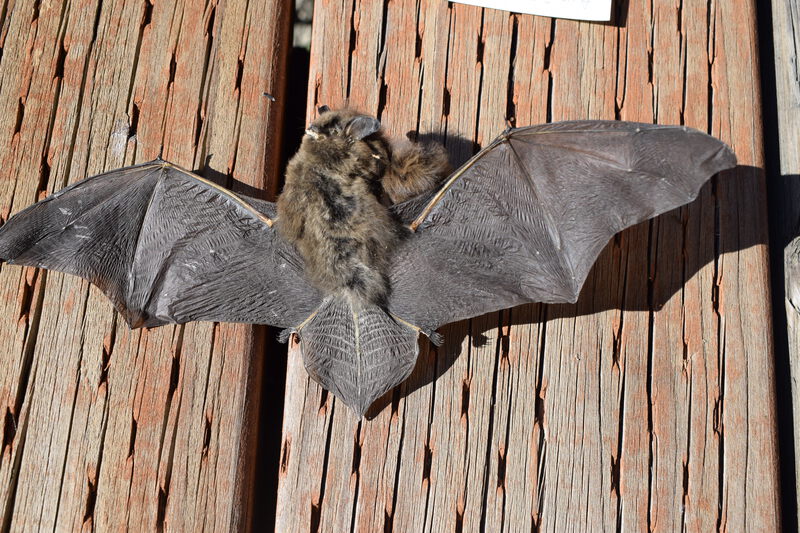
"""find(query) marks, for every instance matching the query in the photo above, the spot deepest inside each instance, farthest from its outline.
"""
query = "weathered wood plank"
(786, 38)
(648, 404)
(106, 427)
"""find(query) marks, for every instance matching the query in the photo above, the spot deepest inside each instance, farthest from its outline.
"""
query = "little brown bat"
(522, 221)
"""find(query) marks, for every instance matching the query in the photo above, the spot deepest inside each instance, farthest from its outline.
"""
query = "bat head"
(346, 134)
(342, 125)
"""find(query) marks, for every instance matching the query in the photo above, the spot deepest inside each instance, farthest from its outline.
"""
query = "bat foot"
(437, 339)
(285, 334)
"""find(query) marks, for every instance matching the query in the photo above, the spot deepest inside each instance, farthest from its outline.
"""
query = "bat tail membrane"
(357, 353)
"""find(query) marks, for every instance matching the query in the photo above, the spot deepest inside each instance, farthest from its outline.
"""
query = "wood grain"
(786, 38)
(649, 404)
(103, 427)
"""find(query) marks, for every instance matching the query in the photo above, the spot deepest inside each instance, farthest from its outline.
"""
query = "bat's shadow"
(643, 268)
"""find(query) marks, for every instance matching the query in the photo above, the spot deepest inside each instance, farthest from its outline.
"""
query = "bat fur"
(331, 209)
(415, 168)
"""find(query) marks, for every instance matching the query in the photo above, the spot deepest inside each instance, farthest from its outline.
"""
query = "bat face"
(335, 135)
(522, 221)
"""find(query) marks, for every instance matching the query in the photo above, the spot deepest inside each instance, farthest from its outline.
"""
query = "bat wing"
(525, 218)
(166, 246)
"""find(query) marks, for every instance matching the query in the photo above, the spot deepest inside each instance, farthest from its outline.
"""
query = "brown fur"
(330, 210)
(330, 205)
(415, 169)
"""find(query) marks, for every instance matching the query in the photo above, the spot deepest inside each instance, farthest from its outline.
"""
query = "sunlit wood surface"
(647, 405)
(103, 427)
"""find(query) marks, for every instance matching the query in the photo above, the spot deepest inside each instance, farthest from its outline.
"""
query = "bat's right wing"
(525, 219)
(166, 246)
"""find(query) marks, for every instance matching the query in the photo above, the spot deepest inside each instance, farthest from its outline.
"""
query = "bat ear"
(362, 126)
(323, 109)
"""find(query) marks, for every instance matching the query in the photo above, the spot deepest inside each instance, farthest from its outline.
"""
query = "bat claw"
(437, 339)
(285, 334)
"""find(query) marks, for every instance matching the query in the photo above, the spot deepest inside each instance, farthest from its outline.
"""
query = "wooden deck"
(103, 427)
(649, 404)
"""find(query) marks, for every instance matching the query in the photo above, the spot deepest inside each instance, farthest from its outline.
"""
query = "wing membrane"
(525, 219)
(166, 246)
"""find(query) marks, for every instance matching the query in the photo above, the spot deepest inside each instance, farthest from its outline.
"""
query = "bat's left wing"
(166, 246)
(525, 219)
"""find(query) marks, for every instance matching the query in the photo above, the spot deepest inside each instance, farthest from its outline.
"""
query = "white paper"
(567, 9)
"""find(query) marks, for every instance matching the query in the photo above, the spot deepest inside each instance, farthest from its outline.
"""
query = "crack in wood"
(24, 376)
(395, 404)
(316, 513)
(9, 432)
(36, 8)
(8, 507)
(351, 47)
(175, 369)
(323, 401)
(173, 67)
(62, 57)
(44, 175)
(81, 94)
(91, 500)
(209, 25)
(19, 116)
(316, 501)
(652, 247)
(480, 67)
(719, 429)
(357, 444)
(465, 397)
(355, 473)
(3, 26)
(445, 102)
(161, 510)
(501, 469)
(380, 57)
(286, 450)
(511, 104)
(616, 460)
(237, 86)
(133, 128)
(388, 521)
(105, 361)
(147, 15)
(26, 293)
(132, 436)
(427, 461)
(206, 436)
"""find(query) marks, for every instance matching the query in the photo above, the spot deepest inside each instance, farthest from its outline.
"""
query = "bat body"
(330, 207)
(522, 221)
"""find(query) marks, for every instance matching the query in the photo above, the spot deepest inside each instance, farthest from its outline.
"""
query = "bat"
(355, 279)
